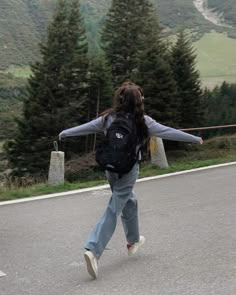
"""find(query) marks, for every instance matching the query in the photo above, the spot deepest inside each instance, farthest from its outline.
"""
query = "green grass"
(151, 170)
(216, 58)
(19, 72)
(145, 171)
(42, 189)
(211, 82)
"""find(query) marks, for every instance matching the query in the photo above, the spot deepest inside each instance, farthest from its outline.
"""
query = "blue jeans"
(122, 202)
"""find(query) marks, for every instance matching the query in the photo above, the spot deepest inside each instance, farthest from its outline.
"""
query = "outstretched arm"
(165, 132)
(94, 126)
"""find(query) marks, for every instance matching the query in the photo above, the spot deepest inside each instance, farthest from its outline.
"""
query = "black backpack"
(118, 151)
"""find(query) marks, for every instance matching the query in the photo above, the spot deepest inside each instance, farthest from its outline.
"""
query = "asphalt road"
(189, 222)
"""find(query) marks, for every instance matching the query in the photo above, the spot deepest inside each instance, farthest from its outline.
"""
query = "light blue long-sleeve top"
(101, 124)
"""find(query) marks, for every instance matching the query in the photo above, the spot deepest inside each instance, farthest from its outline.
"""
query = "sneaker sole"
(89, 266)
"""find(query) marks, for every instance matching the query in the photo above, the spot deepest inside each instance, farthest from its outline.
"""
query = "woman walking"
(128, 99)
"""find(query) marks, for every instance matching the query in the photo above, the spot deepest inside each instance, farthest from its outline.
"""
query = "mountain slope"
(23, 23)
(227, 8)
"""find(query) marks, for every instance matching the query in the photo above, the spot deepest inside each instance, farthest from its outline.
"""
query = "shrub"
(83, 167)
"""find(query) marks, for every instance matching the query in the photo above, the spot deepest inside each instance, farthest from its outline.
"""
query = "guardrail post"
(56, 169)
(158, 155)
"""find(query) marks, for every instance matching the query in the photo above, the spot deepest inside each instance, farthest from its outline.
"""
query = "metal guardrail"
(208, 128)
(158, 156)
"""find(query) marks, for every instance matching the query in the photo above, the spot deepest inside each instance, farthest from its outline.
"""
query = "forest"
(69, 87)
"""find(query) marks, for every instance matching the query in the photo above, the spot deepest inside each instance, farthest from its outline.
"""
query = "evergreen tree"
(74, 72)
(191, 105)
(156, 77)
(132, 43)
(56, 93)
(100, 93)
(221, 107)
(100, 86)
(124, 34)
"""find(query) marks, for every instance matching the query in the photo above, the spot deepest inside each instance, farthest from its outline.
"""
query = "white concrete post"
(158, 155)
(56, 170)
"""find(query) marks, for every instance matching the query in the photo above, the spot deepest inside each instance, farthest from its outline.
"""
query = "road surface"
(189, 222)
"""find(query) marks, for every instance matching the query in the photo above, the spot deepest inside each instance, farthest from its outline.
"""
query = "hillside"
(227, 8)
(216, 59)
(23, 23)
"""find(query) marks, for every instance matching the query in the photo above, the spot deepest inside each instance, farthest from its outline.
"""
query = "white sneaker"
(92, 264)
(133, 248)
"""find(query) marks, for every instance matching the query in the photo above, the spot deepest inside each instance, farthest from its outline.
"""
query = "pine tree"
(159, 87)
(221, 106)
(123, 37)
(155, 76)
(132, 43)
(55, 93)
(100, 92)
(100, 85)
(191, 104)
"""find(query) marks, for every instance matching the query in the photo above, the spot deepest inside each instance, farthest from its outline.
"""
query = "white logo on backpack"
(118, 135)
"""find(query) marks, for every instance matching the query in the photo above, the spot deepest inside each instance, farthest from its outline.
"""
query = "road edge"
(101, 187)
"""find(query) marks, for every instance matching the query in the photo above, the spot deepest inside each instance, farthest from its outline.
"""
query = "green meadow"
(19, 72)
(216, 59)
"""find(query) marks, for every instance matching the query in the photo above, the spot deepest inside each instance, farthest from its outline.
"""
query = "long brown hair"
(129, 98)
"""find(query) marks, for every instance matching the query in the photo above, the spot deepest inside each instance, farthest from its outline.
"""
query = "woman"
(129, 99)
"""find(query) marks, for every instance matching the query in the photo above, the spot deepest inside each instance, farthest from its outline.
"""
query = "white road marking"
(102, 187)
(2, 274)
(185, 172)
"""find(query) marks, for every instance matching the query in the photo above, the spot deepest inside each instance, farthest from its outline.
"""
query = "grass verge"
(145, 171)
(43, 189)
